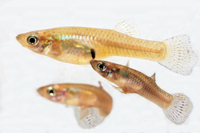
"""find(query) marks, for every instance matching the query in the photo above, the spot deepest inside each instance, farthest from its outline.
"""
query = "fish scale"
(149, 89)
(103, 38)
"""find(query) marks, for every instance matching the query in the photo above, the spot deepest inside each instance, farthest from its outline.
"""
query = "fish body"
(74, 45)
(132, 81)
(79, 45)
(91, 103)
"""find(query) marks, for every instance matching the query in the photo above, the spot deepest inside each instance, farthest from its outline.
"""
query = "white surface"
(22, 110)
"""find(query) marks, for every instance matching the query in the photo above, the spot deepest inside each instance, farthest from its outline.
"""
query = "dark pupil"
(32, 40)
(51, 91)
(101, 66)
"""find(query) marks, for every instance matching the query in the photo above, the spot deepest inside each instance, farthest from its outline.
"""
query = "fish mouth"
(20, 39)
(40, 91)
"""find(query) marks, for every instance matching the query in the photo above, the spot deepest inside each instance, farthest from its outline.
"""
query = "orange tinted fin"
(154, 77)
(117, 88)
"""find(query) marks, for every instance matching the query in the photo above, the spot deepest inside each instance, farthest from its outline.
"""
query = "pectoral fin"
(119, 89)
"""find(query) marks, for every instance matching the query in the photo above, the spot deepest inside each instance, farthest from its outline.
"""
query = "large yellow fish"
(177, 107)
(80, 45)
(91, 104)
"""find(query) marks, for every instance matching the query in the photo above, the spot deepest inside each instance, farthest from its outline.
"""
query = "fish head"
(108, 70)
(39, 41)
(55, 93)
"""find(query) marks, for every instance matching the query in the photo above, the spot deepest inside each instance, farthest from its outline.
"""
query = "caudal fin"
(180, 57)
(88, 117)
(179, 109)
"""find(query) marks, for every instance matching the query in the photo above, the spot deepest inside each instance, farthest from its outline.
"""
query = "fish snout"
(93, 63)
(20, 39)
(40, 91)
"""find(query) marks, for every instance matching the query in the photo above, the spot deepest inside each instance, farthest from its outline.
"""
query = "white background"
(22, 110)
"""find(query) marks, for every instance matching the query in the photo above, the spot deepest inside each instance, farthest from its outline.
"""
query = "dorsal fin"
(128, 28)
(100, 86)
(154, 77)
(127, 64)
(88, 117)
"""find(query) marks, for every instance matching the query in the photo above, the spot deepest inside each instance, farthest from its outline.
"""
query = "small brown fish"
(91, 104)
(79, 45)
(177, 107)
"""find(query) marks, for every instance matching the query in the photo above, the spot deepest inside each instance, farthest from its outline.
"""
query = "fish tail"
(179, 109)
(88, 117)
(180, 57)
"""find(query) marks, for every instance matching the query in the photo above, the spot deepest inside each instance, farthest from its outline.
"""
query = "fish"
(91, 104)
(79, 45)
(176, 107)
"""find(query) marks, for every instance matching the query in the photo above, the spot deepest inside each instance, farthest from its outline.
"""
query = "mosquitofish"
(91, 104)
(79, 45)
(177, 107)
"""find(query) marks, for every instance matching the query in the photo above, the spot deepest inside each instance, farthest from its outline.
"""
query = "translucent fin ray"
(153, 77)
(92, 119)
(180, 57)
(179, 109)
(127, 64)
(128, 28)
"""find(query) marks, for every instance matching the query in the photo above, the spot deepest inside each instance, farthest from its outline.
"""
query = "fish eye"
(33, 40)
(101, 66)
(51, 91)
